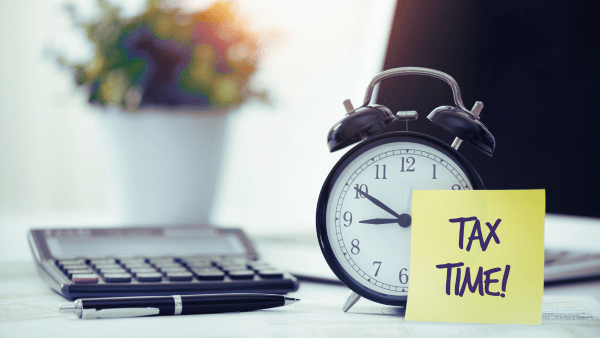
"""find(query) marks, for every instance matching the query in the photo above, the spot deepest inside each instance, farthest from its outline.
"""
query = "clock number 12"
(410, 161)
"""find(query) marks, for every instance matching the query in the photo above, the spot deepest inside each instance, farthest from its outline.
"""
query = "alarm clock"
(364, 211)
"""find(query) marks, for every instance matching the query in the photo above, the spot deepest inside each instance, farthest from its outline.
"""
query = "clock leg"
(350, 301)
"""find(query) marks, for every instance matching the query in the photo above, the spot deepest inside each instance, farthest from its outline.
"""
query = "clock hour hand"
(378, 203)
(380, 221)
(404, 220)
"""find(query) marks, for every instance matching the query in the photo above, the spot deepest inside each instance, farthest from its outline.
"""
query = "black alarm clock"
(364, 212)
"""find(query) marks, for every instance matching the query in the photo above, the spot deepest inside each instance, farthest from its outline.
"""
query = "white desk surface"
(29, 309)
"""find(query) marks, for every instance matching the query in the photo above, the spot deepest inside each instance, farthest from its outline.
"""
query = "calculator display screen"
(142, 242)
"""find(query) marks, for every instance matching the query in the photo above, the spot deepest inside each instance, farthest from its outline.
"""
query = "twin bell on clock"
(364, 211)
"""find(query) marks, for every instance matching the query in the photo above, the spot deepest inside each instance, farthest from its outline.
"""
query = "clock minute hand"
(378, 203)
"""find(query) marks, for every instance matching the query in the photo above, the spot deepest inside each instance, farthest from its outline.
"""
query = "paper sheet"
(477, 257)
(562, 317)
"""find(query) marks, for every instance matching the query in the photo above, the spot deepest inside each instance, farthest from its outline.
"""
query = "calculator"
(150, 261)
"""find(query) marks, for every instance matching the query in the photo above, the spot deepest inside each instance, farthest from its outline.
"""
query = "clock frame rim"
(321, 217)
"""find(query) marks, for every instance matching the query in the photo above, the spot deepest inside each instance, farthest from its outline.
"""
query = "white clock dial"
(369, 211)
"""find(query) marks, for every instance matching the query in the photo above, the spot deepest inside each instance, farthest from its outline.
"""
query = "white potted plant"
(165, 80)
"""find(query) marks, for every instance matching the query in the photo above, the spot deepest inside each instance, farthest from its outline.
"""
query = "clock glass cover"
(368, 216)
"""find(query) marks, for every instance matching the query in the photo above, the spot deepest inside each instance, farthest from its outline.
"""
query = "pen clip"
(119, 313)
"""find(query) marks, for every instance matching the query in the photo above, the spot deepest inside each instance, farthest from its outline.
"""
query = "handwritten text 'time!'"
(478, 283)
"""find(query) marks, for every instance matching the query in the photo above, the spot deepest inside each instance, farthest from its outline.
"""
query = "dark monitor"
(535, 67)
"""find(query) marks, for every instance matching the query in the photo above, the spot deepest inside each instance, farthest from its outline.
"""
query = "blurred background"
(533, 65)
(56, 166)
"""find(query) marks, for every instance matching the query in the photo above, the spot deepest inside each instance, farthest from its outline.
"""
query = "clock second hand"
(403, 220)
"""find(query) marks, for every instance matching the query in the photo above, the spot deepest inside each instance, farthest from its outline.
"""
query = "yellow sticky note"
(477, 256)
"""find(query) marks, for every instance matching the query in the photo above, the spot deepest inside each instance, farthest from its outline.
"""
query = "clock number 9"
(346, 218)
(456, 187)
(403, 276)
(355, 247)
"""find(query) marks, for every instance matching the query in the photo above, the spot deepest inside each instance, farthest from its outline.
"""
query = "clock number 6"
(403, 276)
(346, 218)
(355, 247)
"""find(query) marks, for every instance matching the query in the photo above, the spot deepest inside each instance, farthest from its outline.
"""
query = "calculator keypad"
(165, 269)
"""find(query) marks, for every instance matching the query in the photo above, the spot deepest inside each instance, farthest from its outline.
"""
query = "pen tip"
(67, 308)
(290, 301)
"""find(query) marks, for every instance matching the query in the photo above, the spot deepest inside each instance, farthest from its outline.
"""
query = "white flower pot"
(161, 167)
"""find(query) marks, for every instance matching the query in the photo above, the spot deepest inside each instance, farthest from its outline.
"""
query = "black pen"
(121, 307)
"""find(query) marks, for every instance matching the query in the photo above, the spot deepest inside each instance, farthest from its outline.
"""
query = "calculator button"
(117, 278)
(198, 263)
(260, 265)
(233, 267)
(136, 272)
(132, 260)
(74, 261)
(216, 260)
(171, 268)
(234, 261)
(241, 274)
(112, 271)
(165, 264)
(209, 274)
(103, 261)
(101, 267)
(149, 277)
(270, 273)
(169, 260)
(72, 272)
(173, 271)
(85, 279)
(66, 267)
(179, 276)
(137, 265)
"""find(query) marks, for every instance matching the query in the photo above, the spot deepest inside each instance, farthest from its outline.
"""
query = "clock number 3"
(355, 249)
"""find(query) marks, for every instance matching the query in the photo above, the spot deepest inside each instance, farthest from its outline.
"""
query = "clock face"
(368, 216)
